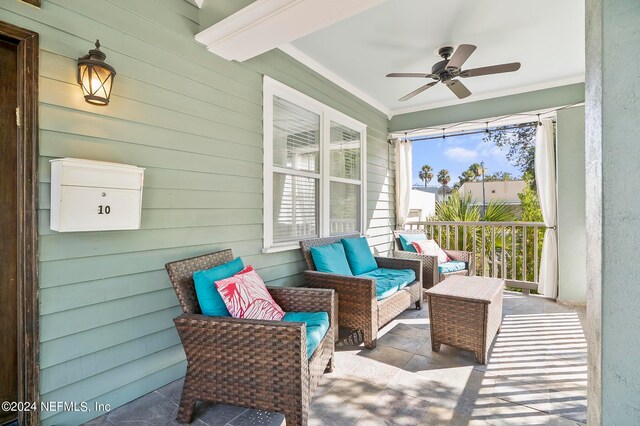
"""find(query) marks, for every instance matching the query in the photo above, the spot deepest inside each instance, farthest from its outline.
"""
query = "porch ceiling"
(404, 35)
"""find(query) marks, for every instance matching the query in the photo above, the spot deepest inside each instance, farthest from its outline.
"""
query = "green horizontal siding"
(194, 122)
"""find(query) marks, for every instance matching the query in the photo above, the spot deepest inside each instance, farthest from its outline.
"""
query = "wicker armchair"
(250, 363)
(358, 308)
(430, 274)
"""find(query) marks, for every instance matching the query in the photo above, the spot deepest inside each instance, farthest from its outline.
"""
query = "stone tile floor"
(536, 374)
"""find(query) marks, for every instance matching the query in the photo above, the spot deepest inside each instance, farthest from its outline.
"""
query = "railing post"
(524, 253)
(514, 237)
(464, 237)
(474, 251)
(503, 254)
(494, 271)
(535, 254)
(484, 252)
(448, 238)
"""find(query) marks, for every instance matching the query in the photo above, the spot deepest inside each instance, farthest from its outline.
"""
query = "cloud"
(461, 154)
(488, 150)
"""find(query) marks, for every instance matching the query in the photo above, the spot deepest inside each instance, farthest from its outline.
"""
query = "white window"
(314, 169)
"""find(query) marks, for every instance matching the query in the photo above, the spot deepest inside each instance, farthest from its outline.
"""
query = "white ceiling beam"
(267, 24)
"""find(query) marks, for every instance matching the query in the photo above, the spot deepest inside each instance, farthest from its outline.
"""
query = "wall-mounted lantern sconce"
(95, 76)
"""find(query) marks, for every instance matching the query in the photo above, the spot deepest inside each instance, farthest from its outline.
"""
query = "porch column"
(572, 246)
(613, 210)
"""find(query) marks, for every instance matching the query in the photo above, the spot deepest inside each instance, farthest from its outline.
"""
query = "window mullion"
(325, 186)
(363, 180)
(345, 180)
(294, 172)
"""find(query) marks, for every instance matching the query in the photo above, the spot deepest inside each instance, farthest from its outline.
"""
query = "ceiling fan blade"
(417, 91)
(411, 74)
(492, 69)
(458, 89)
(460, 56)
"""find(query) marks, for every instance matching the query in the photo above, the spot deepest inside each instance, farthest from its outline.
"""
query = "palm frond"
(498, 211)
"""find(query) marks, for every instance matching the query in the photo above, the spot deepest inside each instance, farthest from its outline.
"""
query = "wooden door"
(8, 226)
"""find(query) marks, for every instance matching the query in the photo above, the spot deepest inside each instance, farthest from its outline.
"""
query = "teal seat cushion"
(331, 259)
(452, 266)
(389, 281)
(317, 326)
(205, 283)
(407, 239)
(359, 255)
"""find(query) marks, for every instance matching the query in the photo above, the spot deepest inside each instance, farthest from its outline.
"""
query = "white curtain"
(546, 182)
(404, 178)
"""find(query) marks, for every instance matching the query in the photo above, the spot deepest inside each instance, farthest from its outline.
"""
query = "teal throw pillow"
(331, 259)
(407, 239)
(205, 283)
(359, 255)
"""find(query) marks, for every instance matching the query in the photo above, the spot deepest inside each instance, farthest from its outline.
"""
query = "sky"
(456, 154)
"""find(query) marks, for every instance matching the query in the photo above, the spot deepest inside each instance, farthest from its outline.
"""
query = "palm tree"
(443, 179)
(467, 176)
(458, 208)
(425, 174)
(477, 169)
(461, 208)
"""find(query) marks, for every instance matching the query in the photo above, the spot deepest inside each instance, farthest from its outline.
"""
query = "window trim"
(271, 88)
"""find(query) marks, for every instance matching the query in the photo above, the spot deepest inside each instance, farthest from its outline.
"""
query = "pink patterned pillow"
(246, 296)
(430, 248)
(245, 270)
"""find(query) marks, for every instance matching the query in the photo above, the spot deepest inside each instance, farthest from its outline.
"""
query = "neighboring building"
(421, 206)
(502, 191)
(436, 190)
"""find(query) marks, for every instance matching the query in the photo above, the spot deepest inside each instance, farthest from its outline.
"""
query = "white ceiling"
(546, 36)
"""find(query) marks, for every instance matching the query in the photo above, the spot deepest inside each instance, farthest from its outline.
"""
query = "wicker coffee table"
(466, 312)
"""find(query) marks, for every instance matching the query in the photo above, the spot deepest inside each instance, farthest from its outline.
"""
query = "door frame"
(27, 179)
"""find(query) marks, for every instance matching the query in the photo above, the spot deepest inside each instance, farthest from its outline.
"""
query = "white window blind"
(313, 169)
(345, 181)
(296, 137)
(345, 152)
(295, 207)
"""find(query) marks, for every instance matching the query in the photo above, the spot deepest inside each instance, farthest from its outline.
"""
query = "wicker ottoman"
(466, 312)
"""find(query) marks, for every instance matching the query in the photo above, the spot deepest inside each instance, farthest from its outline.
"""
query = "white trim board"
(491, 95)
(327, 115)
(316, 66)
(267, 24)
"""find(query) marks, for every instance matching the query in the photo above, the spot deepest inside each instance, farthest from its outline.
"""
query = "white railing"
(507, 250)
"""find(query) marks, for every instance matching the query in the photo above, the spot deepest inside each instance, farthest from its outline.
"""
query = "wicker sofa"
(430, 273)
(358, 308)
(250, 363)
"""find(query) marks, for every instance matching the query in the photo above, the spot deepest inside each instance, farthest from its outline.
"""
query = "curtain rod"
(488, 122)
(474, 132)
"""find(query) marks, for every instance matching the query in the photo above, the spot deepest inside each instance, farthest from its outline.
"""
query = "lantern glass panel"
(96, 83)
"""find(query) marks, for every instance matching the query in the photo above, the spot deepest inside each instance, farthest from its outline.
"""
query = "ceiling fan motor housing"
(446, 52)
(439, 67)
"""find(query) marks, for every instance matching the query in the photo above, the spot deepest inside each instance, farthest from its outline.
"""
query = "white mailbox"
(94, 195)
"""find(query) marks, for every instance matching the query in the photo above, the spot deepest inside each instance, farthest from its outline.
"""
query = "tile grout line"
(241, 413)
